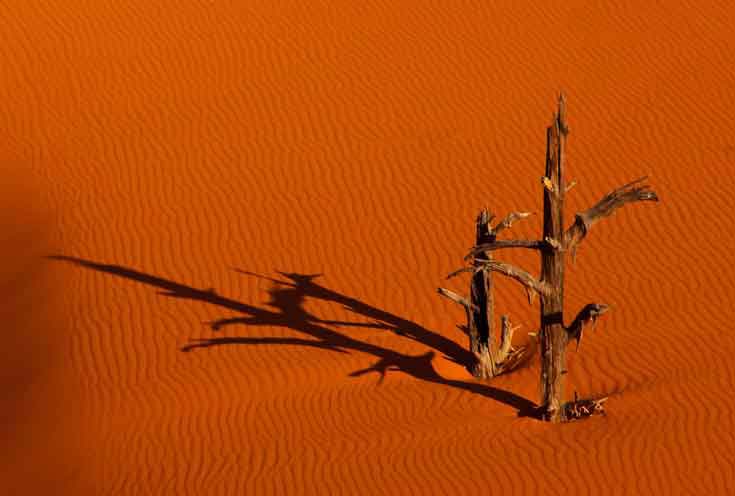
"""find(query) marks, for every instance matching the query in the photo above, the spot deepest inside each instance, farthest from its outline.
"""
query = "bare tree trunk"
(553, 336)
(491, 358)
(482, 324)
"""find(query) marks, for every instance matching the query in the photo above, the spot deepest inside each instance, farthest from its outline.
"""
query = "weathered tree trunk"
(482, 323)
(491, 358)
(553, 336)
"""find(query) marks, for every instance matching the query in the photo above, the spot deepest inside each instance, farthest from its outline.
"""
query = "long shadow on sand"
(287, 300)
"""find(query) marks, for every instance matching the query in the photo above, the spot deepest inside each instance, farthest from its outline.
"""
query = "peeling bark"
(553, 336)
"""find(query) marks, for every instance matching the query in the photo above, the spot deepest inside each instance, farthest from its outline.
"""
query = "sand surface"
(251, 204)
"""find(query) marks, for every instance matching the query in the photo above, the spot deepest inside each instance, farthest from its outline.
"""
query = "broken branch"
(554, 243)
(628, 193)
(463, 270)
(510, 243)
(590, 313)
(456, 298)
(509, 220)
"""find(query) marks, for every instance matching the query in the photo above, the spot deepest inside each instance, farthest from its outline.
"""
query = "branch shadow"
(287, 298)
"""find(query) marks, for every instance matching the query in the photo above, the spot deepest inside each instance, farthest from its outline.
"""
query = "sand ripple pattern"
(198, 162)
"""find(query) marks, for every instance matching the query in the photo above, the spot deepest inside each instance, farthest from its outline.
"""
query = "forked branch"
(509, 220)
(632, 192)
(456, 298)
(589, 314)
(531, 284)
(493, 361)
(506, 353)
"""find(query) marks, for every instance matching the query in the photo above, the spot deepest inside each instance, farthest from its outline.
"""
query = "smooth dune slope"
(223, 224)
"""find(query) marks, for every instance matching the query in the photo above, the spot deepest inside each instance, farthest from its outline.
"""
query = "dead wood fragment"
(590, 313)
(579, 409)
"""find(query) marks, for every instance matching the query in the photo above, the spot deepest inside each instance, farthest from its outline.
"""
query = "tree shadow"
(287, 300)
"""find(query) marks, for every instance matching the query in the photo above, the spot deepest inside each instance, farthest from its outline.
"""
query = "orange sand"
(178, 146)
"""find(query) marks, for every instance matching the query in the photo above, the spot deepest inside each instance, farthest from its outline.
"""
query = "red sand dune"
(182, 153)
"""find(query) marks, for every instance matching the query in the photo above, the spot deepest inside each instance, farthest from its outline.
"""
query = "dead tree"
(492, 358)
(556, 242)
